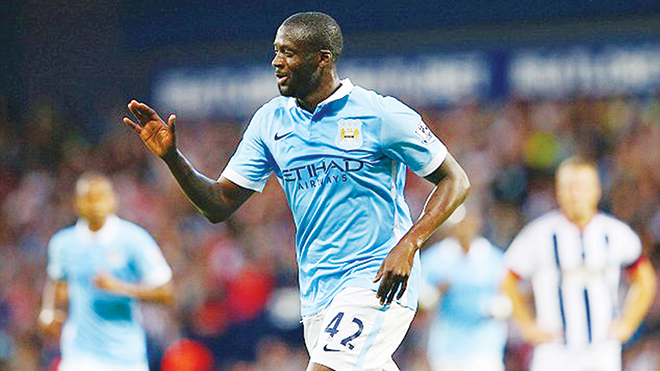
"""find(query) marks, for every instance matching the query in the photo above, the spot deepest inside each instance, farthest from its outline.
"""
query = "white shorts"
(355, 332)
(604, 356)
(91, 364)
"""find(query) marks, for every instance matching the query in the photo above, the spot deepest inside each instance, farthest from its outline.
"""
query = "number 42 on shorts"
(332, 329)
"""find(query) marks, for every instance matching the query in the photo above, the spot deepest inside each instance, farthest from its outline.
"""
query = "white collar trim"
(345, 89)
(103, 236)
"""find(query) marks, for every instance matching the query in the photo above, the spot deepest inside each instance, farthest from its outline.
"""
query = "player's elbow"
(215, 214)
(164, 295)
(463, 184)
(167, 299)
(216, 217)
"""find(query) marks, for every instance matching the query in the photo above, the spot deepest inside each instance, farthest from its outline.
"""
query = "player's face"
(578, 191)
(96, 201)
(297, 70)
(467, 229)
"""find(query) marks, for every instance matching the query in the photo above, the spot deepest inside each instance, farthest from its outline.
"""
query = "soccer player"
(573, 258)
(469, 329)
(100, 269)
(340, 153)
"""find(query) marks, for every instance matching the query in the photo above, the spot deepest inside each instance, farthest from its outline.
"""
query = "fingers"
(130, 123)
(171, 122)
(133, 107)
(141, 111)
(379, 275)
(392, 292)
(391, 286)
(134, 110)
(383, 290)
(404, 286)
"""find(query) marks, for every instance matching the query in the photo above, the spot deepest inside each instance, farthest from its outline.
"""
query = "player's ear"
(326, 58)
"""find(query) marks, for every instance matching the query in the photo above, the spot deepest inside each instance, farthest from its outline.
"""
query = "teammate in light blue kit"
(340, 153)
(469, 329)
(101, 267)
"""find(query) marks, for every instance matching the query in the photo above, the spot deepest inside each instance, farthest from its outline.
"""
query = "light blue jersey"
(343, 171)
(463, 327)
(100, 325)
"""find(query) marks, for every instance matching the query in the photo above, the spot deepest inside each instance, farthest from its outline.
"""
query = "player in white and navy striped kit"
(573, 258)
(340, 152)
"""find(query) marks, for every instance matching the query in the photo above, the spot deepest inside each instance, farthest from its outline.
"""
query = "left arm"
(638, 300)
(452, 186)
(163, 294)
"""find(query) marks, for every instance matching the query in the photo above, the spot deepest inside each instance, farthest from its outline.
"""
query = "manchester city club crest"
(115, 258)
(349, 134)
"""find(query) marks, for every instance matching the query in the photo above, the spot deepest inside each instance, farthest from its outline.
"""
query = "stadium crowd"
(236, 282)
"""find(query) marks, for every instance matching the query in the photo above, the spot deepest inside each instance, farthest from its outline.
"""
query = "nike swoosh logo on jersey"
(325, 348)
(278, 137)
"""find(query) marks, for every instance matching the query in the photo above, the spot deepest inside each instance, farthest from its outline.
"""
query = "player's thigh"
(356, 332)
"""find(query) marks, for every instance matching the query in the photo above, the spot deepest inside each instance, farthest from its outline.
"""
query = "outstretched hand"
(394, 273)
(156, 134)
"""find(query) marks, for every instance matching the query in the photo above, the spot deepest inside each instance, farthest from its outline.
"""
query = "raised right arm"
(215, 199)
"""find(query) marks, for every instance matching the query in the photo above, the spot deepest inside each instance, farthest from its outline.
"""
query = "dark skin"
(310, 76)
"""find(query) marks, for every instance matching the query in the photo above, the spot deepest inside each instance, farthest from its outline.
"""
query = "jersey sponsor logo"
(349, 134)
(424, 133)
(342, 165)
(322, 173)
(278, 137)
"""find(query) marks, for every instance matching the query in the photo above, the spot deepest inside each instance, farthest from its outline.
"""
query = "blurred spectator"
(187, 355)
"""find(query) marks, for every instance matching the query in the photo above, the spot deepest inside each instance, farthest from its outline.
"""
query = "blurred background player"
(573, 257)
(100, 269)
(469, 327)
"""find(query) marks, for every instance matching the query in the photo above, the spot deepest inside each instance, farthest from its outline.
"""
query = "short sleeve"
(249, 166)
(149, 260)
(55, 268)
(407, 139)
(521, 256)
(627, 245)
